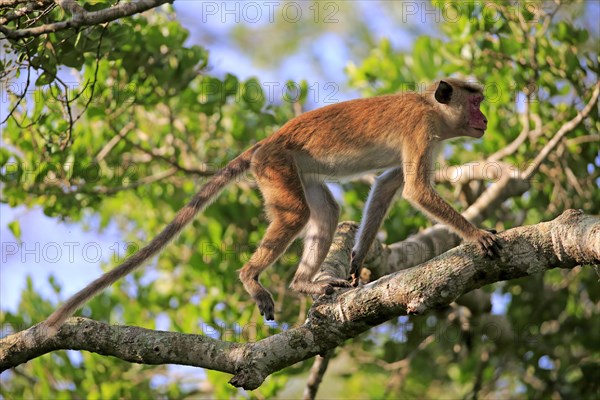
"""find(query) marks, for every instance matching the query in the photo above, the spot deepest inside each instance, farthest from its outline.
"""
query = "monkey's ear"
(443, 93)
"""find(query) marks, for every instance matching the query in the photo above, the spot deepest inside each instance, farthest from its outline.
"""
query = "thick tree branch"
(83, 18)
(570, 240)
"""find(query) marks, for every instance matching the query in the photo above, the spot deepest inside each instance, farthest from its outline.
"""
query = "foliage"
(144, 123)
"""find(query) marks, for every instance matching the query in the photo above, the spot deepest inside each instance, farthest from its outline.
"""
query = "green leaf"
(44, 79)
(253, 95)
(5, 155)
(15, 228)
(582, 35)
(423, 60)
(562, 31)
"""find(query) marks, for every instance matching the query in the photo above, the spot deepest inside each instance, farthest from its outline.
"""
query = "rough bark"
(570, 240)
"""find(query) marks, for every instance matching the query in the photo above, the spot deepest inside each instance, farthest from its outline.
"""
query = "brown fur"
(396, 133)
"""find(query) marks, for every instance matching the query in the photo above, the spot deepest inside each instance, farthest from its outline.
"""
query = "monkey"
(395, 133)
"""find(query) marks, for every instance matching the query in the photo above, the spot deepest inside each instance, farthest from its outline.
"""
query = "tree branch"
(485, 170)
(19, 11)
(83, 18)
(570, 240)
(316, 375)
(566, 128)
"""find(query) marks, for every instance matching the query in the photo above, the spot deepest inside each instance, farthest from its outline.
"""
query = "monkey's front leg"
(426, 198)
(382, 193)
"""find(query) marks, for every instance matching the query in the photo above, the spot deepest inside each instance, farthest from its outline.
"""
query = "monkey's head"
(459, 102)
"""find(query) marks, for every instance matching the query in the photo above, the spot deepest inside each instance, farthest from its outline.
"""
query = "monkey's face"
(477, 122)
(459, 107)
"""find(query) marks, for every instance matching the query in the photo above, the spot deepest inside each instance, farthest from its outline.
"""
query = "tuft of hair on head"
(470, 85)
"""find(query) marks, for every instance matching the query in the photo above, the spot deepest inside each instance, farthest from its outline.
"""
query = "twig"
(316, 375)
(67, 102)
(86, 18)
(483, 363)
(144, 181)
(594, 138)
(93, 84)
(21, 96)
(515, 144)
(153, 154)
(113, 142)
(566, 128)
(401, 368)
(16, 14)
(45, 12)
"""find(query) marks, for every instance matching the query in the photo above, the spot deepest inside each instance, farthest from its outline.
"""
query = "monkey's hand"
(266, 305)
(488, 242)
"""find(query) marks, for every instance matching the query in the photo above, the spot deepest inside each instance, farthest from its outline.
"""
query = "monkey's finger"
(498, 243)
(485, 247)
(269, 315)
(494, 248)
(482, 248)
(497, 248)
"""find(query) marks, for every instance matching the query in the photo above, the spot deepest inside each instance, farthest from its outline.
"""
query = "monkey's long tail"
(202, 199)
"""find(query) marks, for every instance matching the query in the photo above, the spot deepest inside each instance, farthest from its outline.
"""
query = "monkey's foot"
(355, 268)
(323, 286)
(331, 283)
(355, 276)
(489, 243)
(266, 305)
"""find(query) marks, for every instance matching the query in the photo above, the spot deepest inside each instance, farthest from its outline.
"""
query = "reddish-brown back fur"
(353, 125)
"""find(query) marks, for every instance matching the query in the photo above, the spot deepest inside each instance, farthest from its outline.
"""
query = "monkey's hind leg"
(288, 211)
(324, 213)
